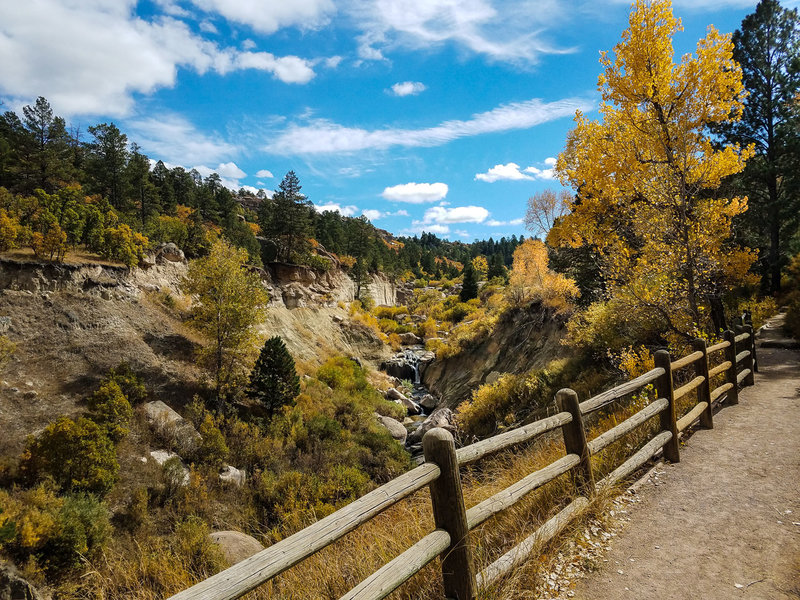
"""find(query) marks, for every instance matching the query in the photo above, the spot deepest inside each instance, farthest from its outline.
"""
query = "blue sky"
(435, 115)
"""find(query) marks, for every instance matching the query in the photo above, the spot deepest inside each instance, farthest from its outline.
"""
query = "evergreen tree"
(289, 223)
(109, 155)
(469, 288)
(768, 49)
(496, 267)
(273, 381)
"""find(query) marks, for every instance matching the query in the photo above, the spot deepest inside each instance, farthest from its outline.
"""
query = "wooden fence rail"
(450, 541)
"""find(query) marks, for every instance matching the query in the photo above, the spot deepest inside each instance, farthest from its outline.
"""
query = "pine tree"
(273, 381)
(469, 288)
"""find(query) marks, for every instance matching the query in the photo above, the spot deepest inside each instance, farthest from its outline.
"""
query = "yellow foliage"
(531, 279)
(481, 266)
(10, 231)
(643, 172)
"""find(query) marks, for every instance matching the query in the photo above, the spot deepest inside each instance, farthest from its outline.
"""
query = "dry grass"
(156, 568)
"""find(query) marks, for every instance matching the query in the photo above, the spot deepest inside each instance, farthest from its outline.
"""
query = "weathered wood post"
(667, 416)
(704, 391)
(748, 362)
(730, 374)
(575, 441)
(752, 359)
(748, 321)
(450, 514)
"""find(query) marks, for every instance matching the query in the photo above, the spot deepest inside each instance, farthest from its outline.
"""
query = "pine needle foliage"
(274, 382)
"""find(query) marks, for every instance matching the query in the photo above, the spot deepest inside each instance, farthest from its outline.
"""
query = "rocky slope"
(523, 340)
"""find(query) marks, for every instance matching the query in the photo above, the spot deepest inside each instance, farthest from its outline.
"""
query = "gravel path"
(724, 523)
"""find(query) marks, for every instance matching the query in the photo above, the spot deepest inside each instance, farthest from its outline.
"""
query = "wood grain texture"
(449, 513)
(742, 376)
(686, 360)
(637, 460)
(517, 491)
(520, 553)
(575, 441)
(473, 452)
(400, 569)
(704, 390)
(718, 347)
(720, 391)
(667, 417)
(730, 376)
(692, 415)
(742, 355)
(628, 425)
(252, 572)
(596, 402)
(742, 337)
(719, 369)
(691, 386)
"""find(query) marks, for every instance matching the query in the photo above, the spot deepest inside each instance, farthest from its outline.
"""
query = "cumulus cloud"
(512, 33)
(268, 17)
(264, 173)
(408, 88)
(321, 136)
(416, 193)
(457, 214)
(229, 169)
(511, 172)
(172, 138)
(345, 211)
(52, 43)
(420, 227)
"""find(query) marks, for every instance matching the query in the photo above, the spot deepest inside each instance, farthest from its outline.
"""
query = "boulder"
(172, 427)
(395, 428)
(235, 545)
(395, 394)
(428, 402)
(181, 473)
(441, 417)
(230, 474)
(410, 339)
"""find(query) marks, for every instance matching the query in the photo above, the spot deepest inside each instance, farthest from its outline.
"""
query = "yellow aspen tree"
(532, 279)
(646, 173)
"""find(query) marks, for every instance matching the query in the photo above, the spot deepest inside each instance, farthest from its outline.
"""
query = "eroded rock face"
(169, 252)
(172, 427)
(410, 339)
(394, 427)
(235, 545)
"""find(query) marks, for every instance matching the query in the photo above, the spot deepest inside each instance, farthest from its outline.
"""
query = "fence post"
(667, 416)
(749, 363)
(753, 359)
(748, 321)
(575, 441)
(704, 391)
(450, 514)
(730, 374)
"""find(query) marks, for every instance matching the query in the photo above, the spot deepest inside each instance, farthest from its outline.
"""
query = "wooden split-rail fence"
(450, 540)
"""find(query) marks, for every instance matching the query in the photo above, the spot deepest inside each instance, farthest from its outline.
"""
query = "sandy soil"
(724, 522)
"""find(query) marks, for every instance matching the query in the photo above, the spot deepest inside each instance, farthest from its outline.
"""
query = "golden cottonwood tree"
(531, 279)
(229, 303)
(646, 172)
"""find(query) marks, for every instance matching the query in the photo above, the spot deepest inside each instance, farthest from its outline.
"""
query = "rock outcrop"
(172, 427)
(395, 428)
(14, 587)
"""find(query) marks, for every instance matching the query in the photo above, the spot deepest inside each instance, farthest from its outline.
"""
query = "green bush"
(199, 555)
(82, 530)
(110, 409)
(273, 381)
(78, 455)
(128, 381)
(213, 450)
(342, 373)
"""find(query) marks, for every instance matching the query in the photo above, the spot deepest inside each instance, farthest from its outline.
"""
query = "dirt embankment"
(523, 340)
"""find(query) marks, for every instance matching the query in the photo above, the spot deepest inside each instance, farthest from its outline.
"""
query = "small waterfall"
(412, 360)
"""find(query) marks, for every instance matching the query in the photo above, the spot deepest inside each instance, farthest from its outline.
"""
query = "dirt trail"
(725, 522)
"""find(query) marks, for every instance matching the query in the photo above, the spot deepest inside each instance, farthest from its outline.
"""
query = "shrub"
(388, 325)
(110, 408)
(342, 373)
(78, 455)
(10, 231)
(128, 381)
(213, 449)
(201, 557)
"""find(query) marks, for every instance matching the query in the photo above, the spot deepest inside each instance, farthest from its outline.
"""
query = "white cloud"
(92, 57)
(268, 17)
(514, 33)
(416, 193)
(320, 136)
(346, 211)
(264, 173)
(408, 88)
(420, 227)
(496, 223)
(172, 138)
(230, 169)
(248, 44)
(373, 214)
(207, 26)
(457, 214)
(509, 171)
(251, 189)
